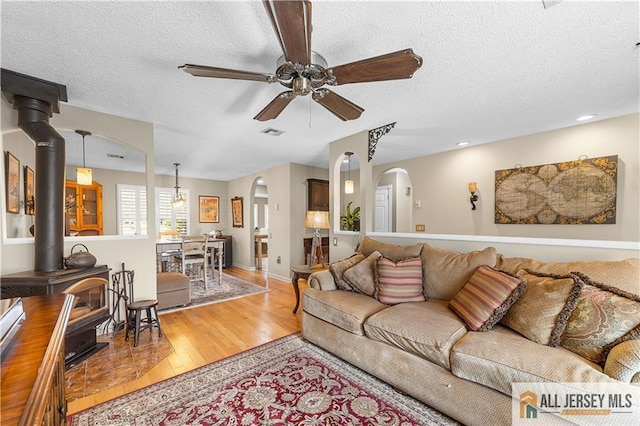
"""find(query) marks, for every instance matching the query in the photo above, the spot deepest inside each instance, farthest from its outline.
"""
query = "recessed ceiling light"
(462, 143)
(586, 117)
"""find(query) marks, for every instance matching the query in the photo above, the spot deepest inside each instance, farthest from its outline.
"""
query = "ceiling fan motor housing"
(309, 76)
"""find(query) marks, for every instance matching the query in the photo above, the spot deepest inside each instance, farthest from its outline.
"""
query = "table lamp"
(317, 220)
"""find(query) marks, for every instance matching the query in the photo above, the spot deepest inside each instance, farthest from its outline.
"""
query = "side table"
(302, 272)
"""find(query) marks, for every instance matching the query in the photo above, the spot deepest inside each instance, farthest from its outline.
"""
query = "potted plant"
(350, 221)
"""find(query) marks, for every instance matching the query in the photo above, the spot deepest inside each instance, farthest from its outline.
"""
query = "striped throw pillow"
(487, 297)
(399, 282)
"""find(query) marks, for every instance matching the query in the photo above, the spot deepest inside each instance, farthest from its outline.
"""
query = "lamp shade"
(84, 176)
(348, 186)
(317, 220)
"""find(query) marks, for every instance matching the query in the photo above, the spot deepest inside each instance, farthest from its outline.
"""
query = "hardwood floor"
(206, 334)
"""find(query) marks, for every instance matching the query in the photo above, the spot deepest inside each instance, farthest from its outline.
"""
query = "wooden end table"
(302, 272)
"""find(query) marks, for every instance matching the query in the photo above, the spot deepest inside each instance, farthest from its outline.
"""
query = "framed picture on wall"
(209, 208)
(237, 213)
(12, 179)
(29, 191)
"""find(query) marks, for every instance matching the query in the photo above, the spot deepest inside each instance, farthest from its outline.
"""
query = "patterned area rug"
(284, 382)
(230, 288)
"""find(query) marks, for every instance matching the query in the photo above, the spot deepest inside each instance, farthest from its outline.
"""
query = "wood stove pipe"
(36, 100)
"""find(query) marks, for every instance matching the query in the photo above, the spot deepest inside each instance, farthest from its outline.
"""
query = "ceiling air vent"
(272, 132)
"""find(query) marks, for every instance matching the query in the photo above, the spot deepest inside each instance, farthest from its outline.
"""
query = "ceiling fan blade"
(205, 71)
(343, 108)
(275, 107)
(392, 66)
(291, 21)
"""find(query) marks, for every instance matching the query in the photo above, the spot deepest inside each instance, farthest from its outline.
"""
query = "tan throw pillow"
(622, 274)
(390, 251)
(487, 297)
(337, 269)
(446, 272)
(362, 276)
(604, 317)
(399, 282)
(542, 311)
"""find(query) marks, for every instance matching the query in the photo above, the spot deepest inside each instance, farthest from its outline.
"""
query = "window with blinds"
(168, 218)
(131, 209)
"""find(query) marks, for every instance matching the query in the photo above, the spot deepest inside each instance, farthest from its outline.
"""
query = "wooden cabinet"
(227, 255)
(33, 384)
(318, 195)
(83, 209)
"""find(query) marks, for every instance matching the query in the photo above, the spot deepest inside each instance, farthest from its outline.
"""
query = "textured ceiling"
(492, 70)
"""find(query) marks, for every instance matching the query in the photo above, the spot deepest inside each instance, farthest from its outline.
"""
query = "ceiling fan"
(305, 71)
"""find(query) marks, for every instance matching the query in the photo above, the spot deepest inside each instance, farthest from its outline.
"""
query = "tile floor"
(119, 363)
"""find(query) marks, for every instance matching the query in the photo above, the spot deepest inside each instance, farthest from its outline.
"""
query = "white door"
(383, 210)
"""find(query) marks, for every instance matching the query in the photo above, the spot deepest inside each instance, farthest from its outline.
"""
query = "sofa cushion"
(390, 251)
(445, 271)
(487, 297)
(623, 362)
(501, 356)
(399, 281)
(428, 329)
(622, 274)
(604, 317)
(362, 276)
(347, 310)
(338, 269)
(542, 312)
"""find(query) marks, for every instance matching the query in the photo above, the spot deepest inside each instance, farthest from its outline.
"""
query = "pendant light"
(178, 202)
(348, 184)
(83, 175)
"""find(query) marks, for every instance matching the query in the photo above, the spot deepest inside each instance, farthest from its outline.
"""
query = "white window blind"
(168, 218)
(131, 209)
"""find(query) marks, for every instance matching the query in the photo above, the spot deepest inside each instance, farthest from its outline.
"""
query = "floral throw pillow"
(604, 317)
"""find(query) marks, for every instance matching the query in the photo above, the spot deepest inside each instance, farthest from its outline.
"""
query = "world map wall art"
(577, 192)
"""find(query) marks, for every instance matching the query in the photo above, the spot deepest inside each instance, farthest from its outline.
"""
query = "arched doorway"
(260, 224)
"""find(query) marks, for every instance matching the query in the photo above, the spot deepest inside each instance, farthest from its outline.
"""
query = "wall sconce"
(348, 184)
(473, 187)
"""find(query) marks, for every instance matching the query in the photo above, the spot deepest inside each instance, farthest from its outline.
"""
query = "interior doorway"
(260, 224)
(383, 215)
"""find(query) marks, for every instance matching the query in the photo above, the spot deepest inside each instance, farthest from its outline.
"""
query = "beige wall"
(435, 181)
(138, 253)
(440, 181)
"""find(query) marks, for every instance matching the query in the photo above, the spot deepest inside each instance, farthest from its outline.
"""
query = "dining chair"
(191, 259)
(214, 247)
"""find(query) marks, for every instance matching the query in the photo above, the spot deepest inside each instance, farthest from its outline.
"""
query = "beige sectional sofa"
(427, 350)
